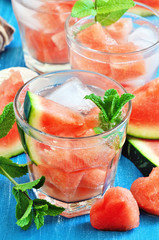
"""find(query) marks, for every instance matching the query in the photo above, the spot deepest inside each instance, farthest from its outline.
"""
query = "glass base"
(71, 209)
(43, 67)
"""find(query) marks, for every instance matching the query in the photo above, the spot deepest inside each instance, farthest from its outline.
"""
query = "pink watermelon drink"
(59, 130)
(41, 25)
(126, 50)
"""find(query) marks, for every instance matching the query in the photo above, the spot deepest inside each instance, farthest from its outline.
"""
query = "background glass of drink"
(78, 170)
(41, 25)
(131, 47)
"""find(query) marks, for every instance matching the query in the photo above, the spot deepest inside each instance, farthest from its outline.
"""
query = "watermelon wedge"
(11, 80)
(144, 119)
(144, 153)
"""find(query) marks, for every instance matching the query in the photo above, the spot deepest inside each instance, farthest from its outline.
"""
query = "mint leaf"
(7, 119)
(52, 209)
(27, 216)
(13, 169)
(126, 97)
(111, 108)
(110, 18)
(23, 203)
(38, 219)
(105, 11)
(100, 104)
(29, 185)
(110, 6)
(83, 8)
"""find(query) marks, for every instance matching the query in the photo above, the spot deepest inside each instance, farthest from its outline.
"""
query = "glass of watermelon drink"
(56, 125)
(126, 51)
(41, 24)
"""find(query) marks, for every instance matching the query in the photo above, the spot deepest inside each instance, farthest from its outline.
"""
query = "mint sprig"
(7, 119)
(27, 209)
(111, 108)
(106, 12)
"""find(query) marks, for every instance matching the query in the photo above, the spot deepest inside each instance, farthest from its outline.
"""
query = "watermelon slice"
(146, 191)
(144, 153)
(143, 121)
(11, 80)
(116, 211)
(53, 118)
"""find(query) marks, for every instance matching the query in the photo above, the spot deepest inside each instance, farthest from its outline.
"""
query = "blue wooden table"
(60, 228)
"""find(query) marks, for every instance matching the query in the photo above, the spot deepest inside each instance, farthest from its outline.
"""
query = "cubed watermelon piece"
(93, 178)
(124, 65)
(95, 37)
(116, 211)
(120, 29)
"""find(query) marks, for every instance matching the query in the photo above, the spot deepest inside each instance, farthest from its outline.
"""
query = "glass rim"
(25, 4)
(143, 50)
(28, 126)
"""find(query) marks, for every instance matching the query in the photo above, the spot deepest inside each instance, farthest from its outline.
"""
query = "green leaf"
(23, 203)
(110, 18)
(98, 101)
(111, 108)
(38, 219)
(29, 185)
(110, 6)
(13, 169)
(83, 8)
(27, 216)
(105, 11)
(7, 119)
(126, 97)
(52, 209)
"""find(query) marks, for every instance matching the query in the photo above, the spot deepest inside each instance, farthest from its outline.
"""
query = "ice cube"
(144, 37)
(71, 94)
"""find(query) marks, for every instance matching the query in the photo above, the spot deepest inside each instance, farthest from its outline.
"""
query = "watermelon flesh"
(143, 121)
(74, 169)
(47, 42)
(146, 191)
(113, 39)
(116, 211)
(10, 145)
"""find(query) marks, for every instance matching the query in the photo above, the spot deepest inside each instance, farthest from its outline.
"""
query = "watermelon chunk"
(126, 66)
(96, 38)
(144, 117)
(116, 211)
(120, 29)
(11, 80)
(146, 191)
(93, 178)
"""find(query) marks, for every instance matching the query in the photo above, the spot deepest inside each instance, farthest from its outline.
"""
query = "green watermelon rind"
(31, 117)
(142, 155)
(12, 151)
(140, 11)
(142, 131)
